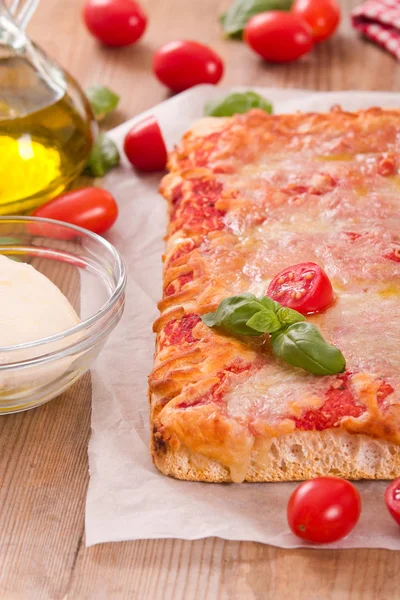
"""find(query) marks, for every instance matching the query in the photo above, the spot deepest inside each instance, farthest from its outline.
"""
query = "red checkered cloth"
(379, 20)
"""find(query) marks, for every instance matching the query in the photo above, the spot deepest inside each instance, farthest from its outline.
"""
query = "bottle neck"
(11, 36)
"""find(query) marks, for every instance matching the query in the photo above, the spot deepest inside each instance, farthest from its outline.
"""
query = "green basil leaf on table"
(237, 103)
(103, 158)
(302, 345)
(102, 100)
(234, 20)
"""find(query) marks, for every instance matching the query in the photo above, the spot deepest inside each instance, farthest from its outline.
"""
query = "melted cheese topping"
(276, 390)
(255, 196)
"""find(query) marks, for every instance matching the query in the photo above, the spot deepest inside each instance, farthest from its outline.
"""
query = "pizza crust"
(294, 457)
(203, 443)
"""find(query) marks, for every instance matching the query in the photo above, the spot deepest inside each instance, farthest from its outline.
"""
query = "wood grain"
(43, 458)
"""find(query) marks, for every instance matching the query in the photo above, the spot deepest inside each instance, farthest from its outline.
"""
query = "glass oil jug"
(46, 122)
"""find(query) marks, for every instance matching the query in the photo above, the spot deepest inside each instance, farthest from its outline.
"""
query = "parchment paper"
(127, 498)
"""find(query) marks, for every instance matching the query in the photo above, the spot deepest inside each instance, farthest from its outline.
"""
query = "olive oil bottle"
(45, 125)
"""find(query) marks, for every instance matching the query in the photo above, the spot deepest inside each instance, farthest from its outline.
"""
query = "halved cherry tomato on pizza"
(92, 208)
(278, 36)
(182, 64)
(304, 287)
(323, 510)
(323, 16)
(115, 22)
(392, 499)
(144, 146)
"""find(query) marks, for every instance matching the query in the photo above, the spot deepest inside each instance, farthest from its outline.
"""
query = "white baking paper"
(128, 498)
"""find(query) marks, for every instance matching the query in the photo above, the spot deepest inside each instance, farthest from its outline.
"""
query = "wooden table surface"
(43, 458)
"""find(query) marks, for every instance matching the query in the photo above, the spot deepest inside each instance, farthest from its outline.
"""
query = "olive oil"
(45, 134)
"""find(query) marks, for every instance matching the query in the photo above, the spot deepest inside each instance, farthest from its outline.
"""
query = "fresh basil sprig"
(102, 100)
(294, 340)
(103, 157)
(302, 345)
(234, 314)
(237, 103)
(234, 20)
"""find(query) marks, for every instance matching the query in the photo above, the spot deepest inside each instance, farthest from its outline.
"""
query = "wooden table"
(43, 459)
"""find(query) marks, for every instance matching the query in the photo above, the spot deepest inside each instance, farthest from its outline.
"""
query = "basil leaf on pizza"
(264, 321)
(269, 303)
(294, 340)
(302, 345)
(288, 316)
(233, 313)
(246, 315)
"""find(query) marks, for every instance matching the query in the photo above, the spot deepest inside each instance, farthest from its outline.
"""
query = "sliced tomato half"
(304, 287)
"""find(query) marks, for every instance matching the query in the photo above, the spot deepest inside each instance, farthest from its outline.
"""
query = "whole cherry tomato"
(182, 64)
(392, 499)
(278, 36)
(144, 146)
(322, 15)
(304, 287)
(115, 22)
(91, 208)
(323, 510)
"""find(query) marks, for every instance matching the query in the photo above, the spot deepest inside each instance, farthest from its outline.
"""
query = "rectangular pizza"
(250, 197)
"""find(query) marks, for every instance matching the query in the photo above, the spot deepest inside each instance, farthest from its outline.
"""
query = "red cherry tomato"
(322, 15)
(91, 208)
(144, 146)
(323, 510)
(392, 499)
(182, 64)
(115, 22)
(304, 287)
(278, 36)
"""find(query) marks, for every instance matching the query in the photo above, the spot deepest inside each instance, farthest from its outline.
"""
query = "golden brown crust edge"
(294, 457)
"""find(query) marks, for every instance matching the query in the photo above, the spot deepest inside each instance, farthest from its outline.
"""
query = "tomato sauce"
(339, 403)
(202, 153)
(182, 250)
(218, 391)
(177, 285)
(179, 331)
(198, 213)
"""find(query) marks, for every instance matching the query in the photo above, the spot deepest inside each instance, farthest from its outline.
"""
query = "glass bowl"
(91, 274)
